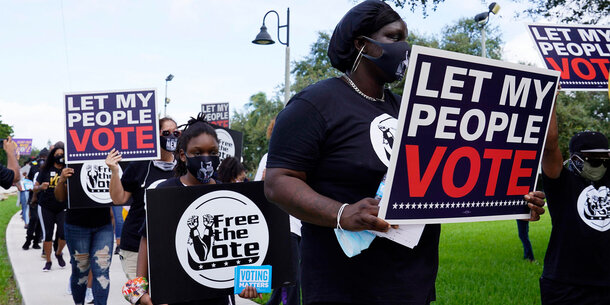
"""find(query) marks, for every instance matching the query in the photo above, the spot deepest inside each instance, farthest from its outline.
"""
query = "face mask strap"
(339, 215)
(358, 59)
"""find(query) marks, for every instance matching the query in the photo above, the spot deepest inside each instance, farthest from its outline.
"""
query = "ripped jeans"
(90, 248)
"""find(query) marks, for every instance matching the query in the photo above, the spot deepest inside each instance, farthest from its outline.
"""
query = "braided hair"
(193, 128)
(229, 169)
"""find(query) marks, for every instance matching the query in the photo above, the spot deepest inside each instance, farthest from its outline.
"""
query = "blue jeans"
(25, 207)
(117, 211)
(524, 227)
(86, 243)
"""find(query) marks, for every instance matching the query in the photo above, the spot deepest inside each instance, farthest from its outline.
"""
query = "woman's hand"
(535, 203)
(145, 300)
(65, 174)
(250, 293)
(113, 159)
(44, 186)
(362, 215)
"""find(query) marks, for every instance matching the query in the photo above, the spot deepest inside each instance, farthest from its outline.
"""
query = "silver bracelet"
(339, 215)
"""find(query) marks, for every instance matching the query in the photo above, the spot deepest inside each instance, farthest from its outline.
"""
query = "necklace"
(370, 98)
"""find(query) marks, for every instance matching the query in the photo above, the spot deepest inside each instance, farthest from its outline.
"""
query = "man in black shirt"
(576, 269)
(10, 173)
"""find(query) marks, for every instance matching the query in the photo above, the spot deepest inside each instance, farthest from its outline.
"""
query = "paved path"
(49, 288)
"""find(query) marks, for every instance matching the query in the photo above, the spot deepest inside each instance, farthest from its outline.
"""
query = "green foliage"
(413, 4)
(579, 111)
(253, 122)
(5, 131)
(315, 66)
(9, 293)
(570, 11)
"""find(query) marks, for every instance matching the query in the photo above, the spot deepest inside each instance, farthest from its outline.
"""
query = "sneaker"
(36, 246)
(116, 251)
(89, 296)
(60, 261)
(47, 267)
(26, 245)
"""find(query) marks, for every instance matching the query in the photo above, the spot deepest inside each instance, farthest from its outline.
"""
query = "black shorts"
(558, 293)
(48, 220)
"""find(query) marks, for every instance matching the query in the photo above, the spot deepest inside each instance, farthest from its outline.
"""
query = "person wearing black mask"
(51, 212)
(197, 160)
(137, 178)
(576, 269)
(323, 168)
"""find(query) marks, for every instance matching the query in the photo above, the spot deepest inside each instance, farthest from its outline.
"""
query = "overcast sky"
(50, 47)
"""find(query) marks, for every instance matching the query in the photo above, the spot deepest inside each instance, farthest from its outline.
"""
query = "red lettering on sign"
(475, 168)
(95, 139)
(417, 186)
(601, 62)
(496, 156)
(578, 71)
(565, 70)
(517, 172)
(141, 137)
(124, 131)
(80, 145)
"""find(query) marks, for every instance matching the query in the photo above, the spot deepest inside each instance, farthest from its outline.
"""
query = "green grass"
(482, 263)
(9, 294)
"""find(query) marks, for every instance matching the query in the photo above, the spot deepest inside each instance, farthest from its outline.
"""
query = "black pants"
(49, 220)
(34, 232)
(558, 293)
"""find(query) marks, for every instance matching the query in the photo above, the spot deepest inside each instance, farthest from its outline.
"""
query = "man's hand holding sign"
(488, 122)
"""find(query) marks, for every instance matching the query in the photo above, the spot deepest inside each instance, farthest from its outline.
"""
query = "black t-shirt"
(138, 177)
(46, 198)
(34, 168)
(89, 218)
(579, 246)
(6, 177)
(343, 142)
(174, 181)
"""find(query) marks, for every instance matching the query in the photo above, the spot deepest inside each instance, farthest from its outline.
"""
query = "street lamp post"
(263, 38)
(167, 79)
(482, 19)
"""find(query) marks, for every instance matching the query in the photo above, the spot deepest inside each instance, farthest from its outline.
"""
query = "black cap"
(589, 142)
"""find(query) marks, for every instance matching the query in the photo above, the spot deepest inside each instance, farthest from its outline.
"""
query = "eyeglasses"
(166, 133)
(596, 161)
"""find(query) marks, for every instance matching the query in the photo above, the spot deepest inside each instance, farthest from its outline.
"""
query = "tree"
(579, 111)
(315, 66)
(5, 131)
(253, 122)
(567, 11)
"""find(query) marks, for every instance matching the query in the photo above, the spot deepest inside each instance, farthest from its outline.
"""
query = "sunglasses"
(166, 133)
(596, 161)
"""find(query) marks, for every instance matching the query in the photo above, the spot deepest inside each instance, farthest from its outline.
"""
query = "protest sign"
(470, 134)
(195, 243)
(258, 277)
(230, 143)
(89, 186)
(97, 122)
(217, 114)
(24, 146)
(580, 52)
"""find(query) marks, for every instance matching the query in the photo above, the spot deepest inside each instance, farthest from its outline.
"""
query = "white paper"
(406, 235)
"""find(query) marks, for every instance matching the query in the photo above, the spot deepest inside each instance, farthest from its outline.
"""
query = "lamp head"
(263, 37)
(481, 18)
(169, 78)
(494, 8)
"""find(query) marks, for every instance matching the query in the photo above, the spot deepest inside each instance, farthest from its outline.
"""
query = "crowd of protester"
(314, 171)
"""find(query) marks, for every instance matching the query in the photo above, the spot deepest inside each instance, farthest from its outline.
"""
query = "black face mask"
(169, 143)
(202, 167)
(59, 159)
(393, 60)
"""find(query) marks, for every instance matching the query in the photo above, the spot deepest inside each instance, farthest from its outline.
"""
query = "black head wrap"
(363, 19)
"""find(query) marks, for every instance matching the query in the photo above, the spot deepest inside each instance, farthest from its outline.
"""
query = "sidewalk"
(42, 288)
